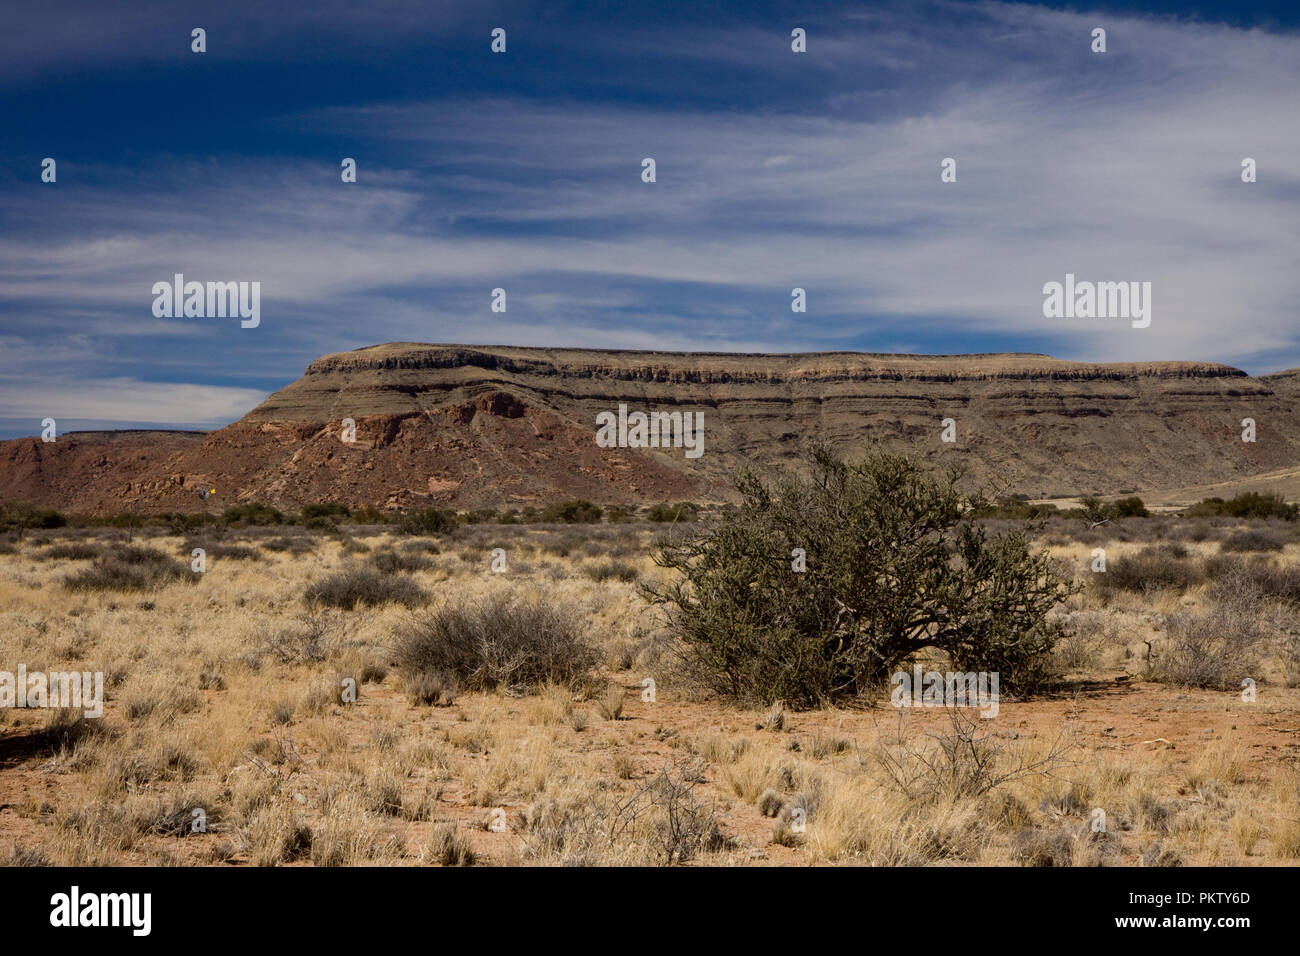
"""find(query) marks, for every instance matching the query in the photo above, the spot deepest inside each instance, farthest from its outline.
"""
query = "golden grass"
(227, 696)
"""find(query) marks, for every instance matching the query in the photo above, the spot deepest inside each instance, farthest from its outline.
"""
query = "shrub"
(1250, 504)
(450, 847)
(297, 545)
(682, 827)
(610, 704)
(684, 511)
(1043, 847)
(129, 568)
(504, 643)
(607, 570)
(369, 515)
(572, 512)
(1095, 511)
(348, 588)
(181, 523)
(21, 515)
(231, 552)
(72, 551)
(427, 521)
(1206, 508)
(64, 729)
(310, 640)
(1152, 569)
(1129, 508)
(1091, 510)
(25, 856)
(393, 562)
(253, 513)
(892, 567)
(1008, 506)
(965, 760)
(1215, 649)
(417, 546)
(1281, 582)
(431, 689)
(125, 520)
(563, 544)
(1255, 539)
(331, 509)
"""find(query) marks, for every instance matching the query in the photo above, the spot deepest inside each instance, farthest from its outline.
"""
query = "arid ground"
(226, 694)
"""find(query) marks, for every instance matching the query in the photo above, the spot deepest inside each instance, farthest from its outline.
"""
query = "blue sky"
(523, 171)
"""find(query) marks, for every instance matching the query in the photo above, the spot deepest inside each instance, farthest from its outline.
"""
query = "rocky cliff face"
(467, 426)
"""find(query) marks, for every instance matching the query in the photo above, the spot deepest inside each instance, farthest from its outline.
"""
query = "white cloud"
(1122, 166)
(126, 400)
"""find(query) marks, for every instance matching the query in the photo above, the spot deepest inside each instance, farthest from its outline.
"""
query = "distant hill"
(474, 426)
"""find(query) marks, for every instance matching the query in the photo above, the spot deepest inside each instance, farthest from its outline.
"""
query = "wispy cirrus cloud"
(95, 403)
(1118, 166)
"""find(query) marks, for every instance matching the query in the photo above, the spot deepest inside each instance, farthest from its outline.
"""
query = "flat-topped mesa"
(470, 426)
(726, 367)
(1287, 378)
(410, 378)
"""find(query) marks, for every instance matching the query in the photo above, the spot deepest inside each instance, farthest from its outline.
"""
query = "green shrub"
(1095, 511)
(124, 519)
(1129, 508)
(893, 567)
(683, 511)
(572, 512)
(1013, 508)
(22, 516)
(180, 523)
(323, 514)
(370, 515)
(253, 513)
(1250, 504)
(427, 521)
